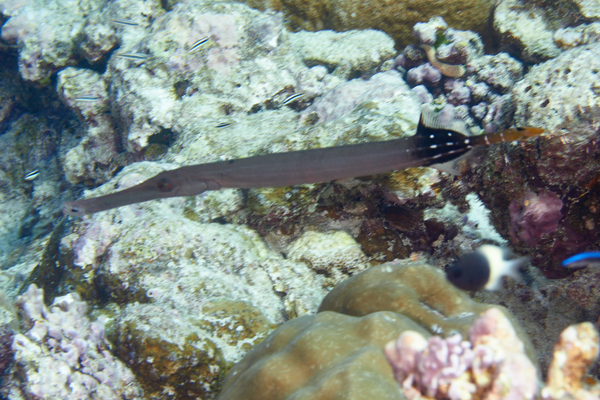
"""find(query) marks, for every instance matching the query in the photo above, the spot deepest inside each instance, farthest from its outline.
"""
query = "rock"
(396, 19)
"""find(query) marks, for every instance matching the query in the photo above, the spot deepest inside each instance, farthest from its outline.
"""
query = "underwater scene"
(299, 199)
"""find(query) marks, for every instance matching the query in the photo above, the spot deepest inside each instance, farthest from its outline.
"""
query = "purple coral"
(458, 92)
(425, 73)
(534, 216)
(491, 363)
(430, 366)
(63, 355)
(484, 90)
(6, 352)
(422, 94)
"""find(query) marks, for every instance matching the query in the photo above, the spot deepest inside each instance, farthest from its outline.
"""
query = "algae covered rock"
(394, 18)
(339, 353)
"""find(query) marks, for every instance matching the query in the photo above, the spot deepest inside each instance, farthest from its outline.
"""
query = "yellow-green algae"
(165, 369)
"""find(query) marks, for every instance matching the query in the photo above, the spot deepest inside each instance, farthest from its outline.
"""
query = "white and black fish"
(133, 56)
(197, 44)
(484, 268)
(32, 175)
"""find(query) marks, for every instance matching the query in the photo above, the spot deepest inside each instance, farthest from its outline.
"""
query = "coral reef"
(524, 30)
(85, 92)
(480, 96)
(396, 19)
(163, 94)
(192, 296)
(8, 325)
(44, 31)
(570, 37)
(385, 87)
(43, 50)
(305, 358)
(328, 48)
(535, 32)
(336, 255)
(490, 365)
(188, 286)
(546, 193)
(64, 355)
(28, 207)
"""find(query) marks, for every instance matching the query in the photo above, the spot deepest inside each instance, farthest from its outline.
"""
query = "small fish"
(134, 56)
(125, 22)
(198, 43)
(453, 71)
(87, 98)
(484, 268)
(292, 98)
(582, 260)
(223, 125)
(32, 175)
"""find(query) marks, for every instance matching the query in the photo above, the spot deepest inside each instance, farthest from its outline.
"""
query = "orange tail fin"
(507, 135)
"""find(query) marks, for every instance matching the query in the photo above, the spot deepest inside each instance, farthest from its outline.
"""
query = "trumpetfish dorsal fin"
(442, 120)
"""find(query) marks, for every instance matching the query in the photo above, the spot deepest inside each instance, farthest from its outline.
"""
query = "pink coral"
(423, 73)
(492, 364)
(534, 216)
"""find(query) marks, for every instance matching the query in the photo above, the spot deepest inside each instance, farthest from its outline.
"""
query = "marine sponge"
(534, 216)
(339, 353)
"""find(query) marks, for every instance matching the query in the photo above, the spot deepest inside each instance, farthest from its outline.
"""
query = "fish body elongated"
(433, 143)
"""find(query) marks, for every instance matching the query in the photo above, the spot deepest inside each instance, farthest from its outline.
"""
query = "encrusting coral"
(339, 352)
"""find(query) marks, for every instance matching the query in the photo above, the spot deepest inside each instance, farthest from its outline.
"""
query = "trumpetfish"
(434, 142)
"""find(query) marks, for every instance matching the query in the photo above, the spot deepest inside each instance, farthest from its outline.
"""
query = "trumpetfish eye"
(164, 186)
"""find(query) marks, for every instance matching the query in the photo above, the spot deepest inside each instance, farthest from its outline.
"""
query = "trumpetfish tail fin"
(507, 135)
